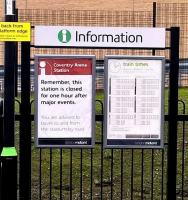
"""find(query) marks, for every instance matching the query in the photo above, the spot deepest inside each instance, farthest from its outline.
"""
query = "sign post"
(65, 103)
(8, 155)
(134, 102)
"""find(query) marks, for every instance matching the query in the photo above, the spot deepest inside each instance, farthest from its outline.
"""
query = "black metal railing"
(107, 174)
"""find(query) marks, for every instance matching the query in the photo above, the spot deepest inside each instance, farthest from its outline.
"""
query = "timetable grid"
(134, 100)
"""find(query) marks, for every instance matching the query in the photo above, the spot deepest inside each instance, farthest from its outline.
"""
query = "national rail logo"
(64, 36)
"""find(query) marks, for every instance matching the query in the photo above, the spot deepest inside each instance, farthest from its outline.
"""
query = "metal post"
(25, 124)
(8, 156)
(8, 138)
(154, 13)
(173, 113)
(154, 20)
(16, 59)
(1, 123)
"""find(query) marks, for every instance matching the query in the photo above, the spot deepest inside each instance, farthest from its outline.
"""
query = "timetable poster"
(134, 102)
(65, 103)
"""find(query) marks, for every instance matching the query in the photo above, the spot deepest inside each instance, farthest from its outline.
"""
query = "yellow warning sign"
(15, 31)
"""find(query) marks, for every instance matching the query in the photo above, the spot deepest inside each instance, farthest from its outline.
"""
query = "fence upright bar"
(50, 175)
(173, 113)
(91, 181)
(25, 124)
(154, 13)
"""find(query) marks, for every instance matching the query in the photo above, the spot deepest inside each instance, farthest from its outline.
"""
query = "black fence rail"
(107, 174)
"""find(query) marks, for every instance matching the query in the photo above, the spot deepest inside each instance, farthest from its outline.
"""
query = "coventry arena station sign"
(116, 37)
(65, 101)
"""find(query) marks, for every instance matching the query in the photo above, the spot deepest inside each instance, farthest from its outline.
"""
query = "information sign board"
(134, 102)
(102, 37)
(65, 103)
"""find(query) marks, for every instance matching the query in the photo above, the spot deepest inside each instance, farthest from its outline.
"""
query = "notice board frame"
(56, 142)
(120, 143)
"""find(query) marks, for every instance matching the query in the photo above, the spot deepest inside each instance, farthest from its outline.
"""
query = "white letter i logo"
(64, 34)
